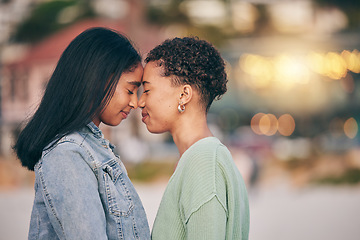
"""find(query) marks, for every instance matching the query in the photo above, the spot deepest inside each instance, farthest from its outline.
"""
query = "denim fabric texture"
(82, 191)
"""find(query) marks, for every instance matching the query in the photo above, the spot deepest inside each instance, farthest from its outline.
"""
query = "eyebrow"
(143, 83)
(135, 83)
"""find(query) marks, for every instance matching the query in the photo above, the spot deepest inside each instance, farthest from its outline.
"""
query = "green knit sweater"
(205, 198)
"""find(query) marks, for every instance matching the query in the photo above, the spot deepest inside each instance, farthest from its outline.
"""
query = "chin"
(113, 123)
(154, 130)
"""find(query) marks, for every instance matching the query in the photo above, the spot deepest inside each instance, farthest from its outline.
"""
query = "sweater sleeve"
(208, 222)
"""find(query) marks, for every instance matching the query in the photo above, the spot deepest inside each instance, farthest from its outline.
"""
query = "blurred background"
(290, 116)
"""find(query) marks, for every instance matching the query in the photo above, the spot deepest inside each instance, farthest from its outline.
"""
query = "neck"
(190, 129)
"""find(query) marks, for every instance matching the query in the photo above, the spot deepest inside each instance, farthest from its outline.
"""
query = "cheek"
(109, 111)
(120, 100)
(162, 104)
(163, 115)
(116, 104)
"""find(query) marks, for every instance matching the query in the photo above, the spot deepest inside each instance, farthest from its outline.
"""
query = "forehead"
(133, 77)
(152, 69)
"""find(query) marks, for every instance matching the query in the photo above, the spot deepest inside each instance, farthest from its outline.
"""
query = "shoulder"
(202, 174)
(207, 153)
(69, 139)
(67, 152)
(198, 163)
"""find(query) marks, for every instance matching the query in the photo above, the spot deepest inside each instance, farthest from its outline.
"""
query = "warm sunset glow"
(286, 125)
(317, 63)
(351, 128)
(335, 65)
(259, 68)
(290, 70)
(352, 60)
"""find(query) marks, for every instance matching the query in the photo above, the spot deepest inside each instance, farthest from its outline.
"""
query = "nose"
(133, 101)
(141, 102)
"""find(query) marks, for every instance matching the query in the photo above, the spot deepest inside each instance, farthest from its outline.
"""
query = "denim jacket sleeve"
(70, 192)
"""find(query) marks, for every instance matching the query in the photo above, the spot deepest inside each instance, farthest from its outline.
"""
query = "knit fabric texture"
(205, 198)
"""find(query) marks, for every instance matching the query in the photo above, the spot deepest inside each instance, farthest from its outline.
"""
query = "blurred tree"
(350, 7)
(49, 17)
(263, 23)
(167, 15)
(173, 13)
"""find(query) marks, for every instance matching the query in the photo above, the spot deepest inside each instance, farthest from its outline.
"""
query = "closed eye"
(146, 91)
(130, 92)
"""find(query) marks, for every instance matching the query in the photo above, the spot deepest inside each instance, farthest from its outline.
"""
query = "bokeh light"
(350, 128)
(335, 65)
(290, 70)
(260, 68)
(255, 123)
(268, 124)
(316, 62)
(286, 124)
(352, 60)
(287, 71)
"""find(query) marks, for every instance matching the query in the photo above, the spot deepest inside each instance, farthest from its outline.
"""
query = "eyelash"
(130, 92)
(146, 91)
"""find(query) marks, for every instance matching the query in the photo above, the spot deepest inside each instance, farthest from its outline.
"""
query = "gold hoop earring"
(181, 108)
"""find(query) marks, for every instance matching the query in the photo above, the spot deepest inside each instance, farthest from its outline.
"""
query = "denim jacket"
(82, 191)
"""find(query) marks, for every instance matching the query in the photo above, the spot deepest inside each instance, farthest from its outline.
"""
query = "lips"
(144, 115)
(124, 114)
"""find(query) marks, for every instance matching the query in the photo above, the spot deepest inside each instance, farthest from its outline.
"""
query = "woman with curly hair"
(82, 190)
(206, 197)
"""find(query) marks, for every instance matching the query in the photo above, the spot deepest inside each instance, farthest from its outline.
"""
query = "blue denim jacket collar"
(95, 130)
(98, 134)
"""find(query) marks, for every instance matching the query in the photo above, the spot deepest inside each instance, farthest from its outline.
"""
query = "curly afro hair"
(192, 61)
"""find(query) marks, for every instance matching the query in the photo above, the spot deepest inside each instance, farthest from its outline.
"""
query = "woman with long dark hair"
(82, 190)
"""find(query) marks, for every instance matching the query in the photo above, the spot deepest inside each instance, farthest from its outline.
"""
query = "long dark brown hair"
(80, 87)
